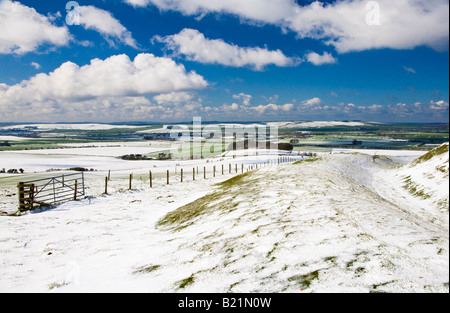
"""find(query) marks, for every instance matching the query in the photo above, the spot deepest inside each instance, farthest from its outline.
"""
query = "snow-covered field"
(99, 156)
(400, 156)
(92, 126)
(336, 223)
(12, 138)
(103, 159)
(316, 124)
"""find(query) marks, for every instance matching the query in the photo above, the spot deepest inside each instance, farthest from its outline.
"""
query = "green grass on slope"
(438, 151)
(215, 201)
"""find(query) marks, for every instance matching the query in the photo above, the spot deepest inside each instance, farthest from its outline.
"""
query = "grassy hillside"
(427, 177)
(308, 226)
(433, 153)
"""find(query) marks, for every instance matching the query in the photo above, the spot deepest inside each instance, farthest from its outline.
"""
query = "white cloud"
(262, 109)
(315, 108)
(270, 11)
(179, 105)
(232, 107)
(287, 107)
(348, 25)
(174, 98)
(195, 47)
(439, 105)
(272, 107)
(404, 24)
(103, 22)
(318, 59)
(71, 88)
(409, 69)
(35, 65)
(24, 30)
(246, 99)
(311, 103)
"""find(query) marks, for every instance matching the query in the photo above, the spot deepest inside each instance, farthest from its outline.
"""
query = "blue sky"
(224, 60)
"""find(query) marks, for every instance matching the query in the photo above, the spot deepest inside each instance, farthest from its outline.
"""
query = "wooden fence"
(199, 173)
(56, 190)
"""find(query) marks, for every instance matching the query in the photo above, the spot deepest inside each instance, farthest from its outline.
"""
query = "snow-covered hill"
(428, 177)
(422, 186)
(334, 223)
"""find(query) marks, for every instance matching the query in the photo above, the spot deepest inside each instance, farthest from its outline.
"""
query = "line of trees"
(245, 144)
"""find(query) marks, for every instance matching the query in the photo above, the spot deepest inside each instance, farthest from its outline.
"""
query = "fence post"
(21, 197)
(214, 171)
(193, 174)
(229, 168)
(151, 179)
(204, 172)
(82, 181)
(242, 168)
(75, 191)
(106, 185)
(168, 182)
(222, 170)
(54, 191)
(26, 203)
(131, 178)
(109, 175)
(181, 175)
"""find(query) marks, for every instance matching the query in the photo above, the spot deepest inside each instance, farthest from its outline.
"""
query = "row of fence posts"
(195, 172)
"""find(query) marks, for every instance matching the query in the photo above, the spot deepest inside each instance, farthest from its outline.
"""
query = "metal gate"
(50, 191)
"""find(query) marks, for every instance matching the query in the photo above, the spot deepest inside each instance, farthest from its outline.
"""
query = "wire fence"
(56, 190)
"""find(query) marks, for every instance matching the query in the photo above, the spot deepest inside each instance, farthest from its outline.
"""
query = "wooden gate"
(50, 191)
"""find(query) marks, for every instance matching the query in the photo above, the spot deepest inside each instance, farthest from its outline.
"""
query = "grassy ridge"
(218, 200)
(438, 151)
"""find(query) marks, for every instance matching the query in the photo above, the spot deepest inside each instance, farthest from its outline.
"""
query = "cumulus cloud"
(316, 108)
(246, 99)
(318, 59)
(403, 24)
(348, 25)
(311, 103)
(232, 107)
(24, 30)
(271, 11)
(271, 107)
(174, 97)
(104, 23)
(117, 77)
(439, 105)
(287, 107)
(196, 47)
(262, 109)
